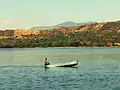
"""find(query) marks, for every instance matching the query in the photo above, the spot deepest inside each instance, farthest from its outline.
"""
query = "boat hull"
(69, 64)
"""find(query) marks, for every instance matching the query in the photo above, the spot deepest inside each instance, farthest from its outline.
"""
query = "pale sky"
(25, 14)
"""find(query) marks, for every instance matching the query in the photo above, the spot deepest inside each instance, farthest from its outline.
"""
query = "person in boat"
(46, 62)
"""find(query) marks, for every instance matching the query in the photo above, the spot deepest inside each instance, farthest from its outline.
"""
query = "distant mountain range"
(67, 24)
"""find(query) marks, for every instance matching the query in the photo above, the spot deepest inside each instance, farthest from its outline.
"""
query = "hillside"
(105, 34)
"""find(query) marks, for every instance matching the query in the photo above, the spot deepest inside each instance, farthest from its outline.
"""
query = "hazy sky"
(29, 13)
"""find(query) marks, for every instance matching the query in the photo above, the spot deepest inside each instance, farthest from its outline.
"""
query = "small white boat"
(68, 64)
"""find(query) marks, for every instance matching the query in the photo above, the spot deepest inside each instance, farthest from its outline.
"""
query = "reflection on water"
(22, 69)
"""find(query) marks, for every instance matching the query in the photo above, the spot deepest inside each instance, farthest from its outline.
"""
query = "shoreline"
(71, 47)
(83, 47)
(65, 47)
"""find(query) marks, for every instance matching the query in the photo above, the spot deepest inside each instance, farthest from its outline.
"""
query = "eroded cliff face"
(7, 33)
(26, 32)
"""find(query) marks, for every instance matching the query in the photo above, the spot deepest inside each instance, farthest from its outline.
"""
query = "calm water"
(22, 69)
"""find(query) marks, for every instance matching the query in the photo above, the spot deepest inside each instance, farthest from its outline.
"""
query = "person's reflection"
(46, 68)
